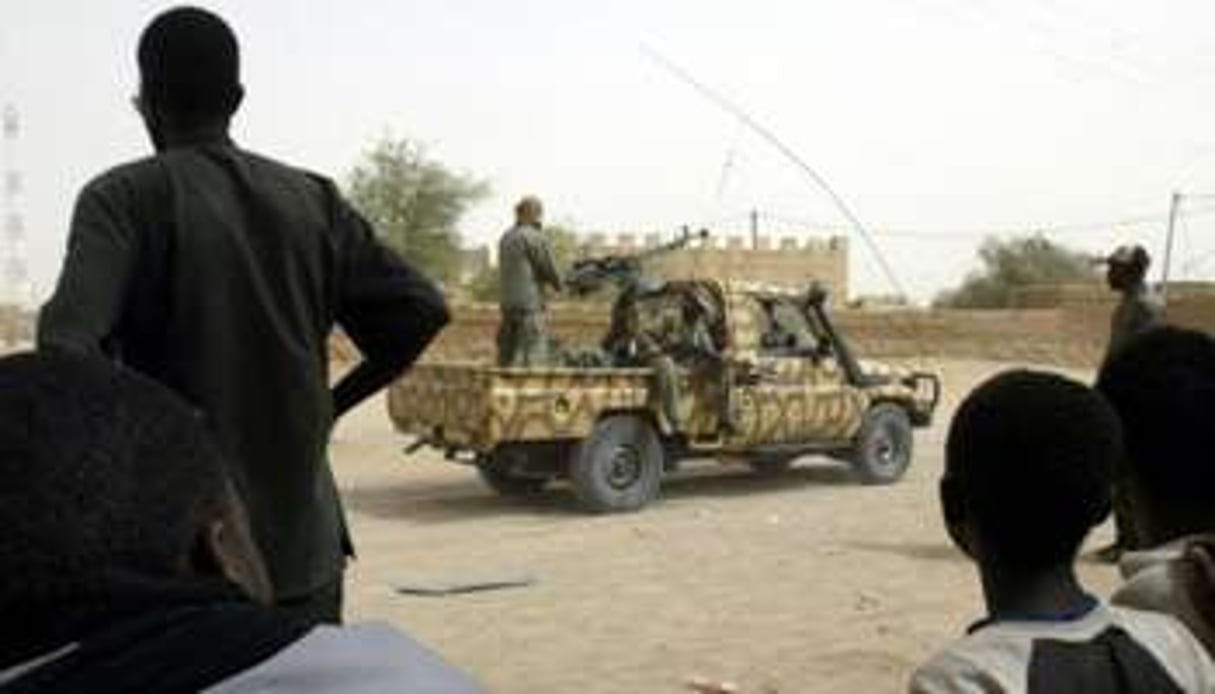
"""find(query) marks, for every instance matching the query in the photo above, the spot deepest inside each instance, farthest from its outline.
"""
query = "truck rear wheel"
(882, 449)
(504, 472)
(619, 466)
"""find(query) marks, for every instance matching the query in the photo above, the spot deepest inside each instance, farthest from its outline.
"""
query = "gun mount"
(624, 271)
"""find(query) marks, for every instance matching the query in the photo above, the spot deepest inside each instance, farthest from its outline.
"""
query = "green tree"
(414, 202)
(1015, 263)
(562, 239)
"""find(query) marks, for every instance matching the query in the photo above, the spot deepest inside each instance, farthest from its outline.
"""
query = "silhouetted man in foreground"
(128, 563)
(221, 273)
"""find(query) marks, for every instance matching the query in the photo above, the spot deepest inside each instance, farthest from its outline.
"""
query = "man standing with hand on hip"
(221, 273)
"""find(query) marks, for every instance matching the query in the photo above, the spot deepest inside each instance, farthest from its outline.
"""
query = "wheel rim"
(887, 449)
(623, 468)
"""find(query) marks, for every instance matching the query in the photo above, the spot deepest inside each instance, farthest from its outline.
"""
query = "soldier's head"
(1126, 267)
(189, 73)
(108, 480)
(1163, 388)
(1028, 466)
(529, 211)
(696, 306)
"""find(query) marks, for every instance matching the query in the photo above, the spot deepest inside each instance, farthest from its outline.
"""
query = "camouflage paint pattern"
(475, 406)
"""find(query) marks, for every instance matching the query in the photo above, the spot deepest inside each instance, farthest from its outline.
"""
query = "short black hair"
(189, 64)
(101, 470)
(1163, 387)
(1030, 455)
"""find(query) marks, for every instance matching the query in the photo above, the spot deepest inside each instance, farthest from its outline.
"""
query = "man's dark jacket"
(221, 274)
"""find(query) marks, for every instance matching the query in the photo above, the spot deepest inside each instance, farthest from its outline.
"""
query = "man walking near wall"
(221, 273)
(1137, 312)
(526, 267)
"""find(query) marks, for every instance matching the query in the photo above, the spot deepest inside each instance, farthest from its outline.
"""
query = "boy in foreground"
(1028, 465)
(129, 565)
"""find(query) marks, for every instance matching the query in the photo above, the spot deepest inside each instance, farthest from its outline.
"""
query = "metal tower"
(15, 289)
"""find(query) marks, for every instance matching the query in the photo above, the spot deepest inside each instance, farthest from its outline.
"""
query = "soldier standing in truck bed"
(526, 266)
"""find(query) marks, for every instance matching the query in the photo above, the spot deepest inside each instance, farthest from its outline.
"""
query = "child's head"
(1028, 468)
(1163, 388)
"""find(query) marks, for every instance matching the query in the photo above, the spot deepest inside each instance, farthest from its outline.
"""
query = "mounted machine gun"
(624, 271)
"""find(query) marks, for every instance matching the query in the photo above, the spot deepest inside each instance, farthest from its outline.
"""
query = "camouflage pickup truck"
(792, 386)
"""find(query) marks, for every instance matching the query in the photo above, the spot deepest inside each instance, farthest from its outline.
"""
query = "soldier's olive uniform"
(221, 274)
(692, 344)
(526, 266)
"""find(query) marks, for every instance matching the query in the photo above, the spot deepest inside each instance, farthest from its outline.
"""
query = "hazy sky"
(939, 121)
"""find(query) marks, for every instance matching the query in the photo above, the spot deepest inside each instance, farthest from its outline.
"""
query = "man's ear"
(226, 550)
(236, 99)
(953, 509)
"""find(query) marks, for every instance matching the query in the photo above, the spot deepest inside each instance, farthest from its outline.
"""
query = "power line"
(982, 231)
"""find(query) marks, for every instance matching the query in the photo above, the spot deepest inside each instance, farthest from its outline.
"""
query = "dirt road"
(803, 583)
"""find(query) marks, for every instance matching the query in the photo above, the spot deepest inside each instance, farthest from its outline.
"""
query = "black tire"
(500, 472)
(882, 450)
(619, 466)
(770, 466)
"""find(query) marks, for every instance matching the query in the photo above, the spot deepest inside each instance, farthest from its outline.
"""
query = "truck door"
(797, 392)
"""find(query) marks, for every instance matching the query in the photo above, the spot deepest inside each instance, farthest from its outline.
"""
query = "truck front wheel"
(619, 466)
(882, 449)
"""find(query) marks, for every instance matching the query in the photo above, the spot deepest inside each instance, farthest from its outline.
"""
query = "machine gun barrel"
(591, 274)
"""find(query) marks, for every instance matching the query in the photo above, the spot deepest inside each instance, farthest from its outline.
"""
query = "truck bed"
(475, 406)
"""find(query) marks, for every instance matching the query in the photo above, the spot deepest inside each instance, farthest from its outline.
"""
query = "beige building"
(787, 261)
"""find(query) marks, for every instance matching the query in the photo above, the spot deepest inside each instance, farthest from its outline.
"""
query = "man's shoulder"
(1149, 583)
(282, 168)
(127, 175)
(156, 169)
(360, 658)
(1000, 657)
(524, 233)
(983, 661)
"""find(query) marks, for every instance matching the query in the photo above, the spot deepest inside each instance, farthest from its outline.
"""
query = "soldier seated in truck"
(693, 344)
(777, 334)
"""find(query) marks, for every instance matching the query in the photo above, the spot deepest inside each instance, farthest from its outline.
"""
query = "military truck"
(791, 381)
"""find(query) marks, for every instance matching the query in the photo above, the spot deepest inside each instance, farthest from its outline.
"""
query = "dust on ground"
(806, 582)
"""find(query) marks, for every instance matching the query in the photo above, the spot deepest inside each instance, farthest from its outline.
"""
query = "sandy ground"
(803, 583)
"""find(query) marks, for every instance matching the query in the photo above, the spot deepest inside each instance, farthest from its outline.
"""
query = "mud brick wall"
(1072, 335)
(1038, 335)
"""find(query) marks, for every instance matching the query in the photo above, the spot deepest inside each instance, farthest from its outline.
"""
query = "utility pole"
(14, 275)
(1174, 208)
(755, 230)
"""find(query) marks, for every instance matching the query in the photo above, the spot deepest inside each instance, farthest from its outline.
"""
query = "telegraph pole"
(755, 230)
(1174, 208)
(14, 274)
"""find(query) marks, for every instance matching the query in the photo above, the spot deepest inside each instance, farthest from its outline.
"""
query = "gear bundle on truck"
(790, 382)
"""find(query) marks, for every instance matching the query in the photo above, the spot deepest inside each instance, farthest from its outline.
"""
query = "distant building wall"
(789, 262)
(16, 327)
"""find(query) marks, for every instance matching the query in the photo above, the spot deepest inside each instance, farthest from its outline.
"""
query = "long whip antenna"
(760, 129)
